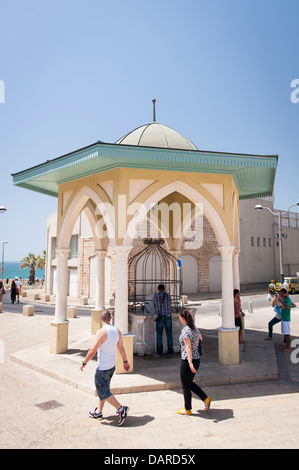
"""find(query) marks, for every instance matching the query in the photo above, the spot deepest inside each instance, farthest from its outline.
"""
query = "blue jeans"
(166, 321)
(271, 324)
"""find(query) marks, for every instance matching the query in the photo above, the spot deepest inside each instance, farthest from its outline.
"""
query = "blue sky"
(77, 72)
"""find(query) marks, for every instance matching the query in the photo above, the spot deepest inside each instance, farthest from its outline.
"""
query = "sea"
(12, 269)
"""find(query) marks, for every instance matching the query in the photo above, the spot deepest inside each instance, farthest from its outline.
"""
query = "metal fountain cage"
(149, 268)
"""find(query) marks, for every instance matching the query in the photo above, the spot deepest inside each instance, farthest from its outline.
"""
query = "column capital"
(122, 251)
(101, 254)
(226, 251)
(63, 253)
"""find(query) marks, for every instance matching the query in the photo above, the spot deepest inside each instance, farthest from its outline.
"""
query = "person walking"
(162, 303)
(13, 292)
(190, 361)
(286, 319)
(277, 305)
(107, 339)
(19, 288)
(2, 291)
(238, 312)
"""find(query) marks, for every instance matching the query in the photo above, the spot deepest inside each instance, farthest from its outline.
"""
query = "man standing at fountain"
(162, 302)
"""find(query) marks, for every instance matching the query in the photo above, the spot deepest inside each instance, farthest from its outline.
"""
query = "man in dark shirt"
(162, 302)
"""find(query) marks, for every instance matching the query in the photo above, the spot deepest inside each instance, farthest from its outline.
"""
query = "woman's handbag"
(200, 347)
(157, 317)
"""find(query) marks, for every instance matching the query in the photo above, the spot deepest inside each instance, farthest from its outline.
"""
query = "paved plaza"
(45, 398)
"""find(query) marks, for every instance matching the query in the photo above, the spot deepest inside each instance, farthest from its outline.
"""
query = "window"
(252, 241)
(74, 247)
(269, 242)
(258, 241)
(264, 242)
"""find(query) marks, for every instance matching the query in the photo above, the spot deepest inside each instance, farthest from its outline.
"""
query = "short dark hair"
(236, 291)
(283, 290)
(105, 316)
(161, 287)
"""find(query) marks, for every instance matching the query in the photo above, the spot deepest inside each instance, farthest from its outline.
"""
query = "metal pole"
(280, 245)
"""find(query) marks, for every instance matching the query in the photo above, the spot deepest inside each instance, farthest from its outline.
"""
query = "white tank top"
(106, 351)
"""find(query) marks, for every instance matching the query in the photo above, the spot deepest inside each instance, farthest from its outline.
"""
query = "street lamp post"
(258, 208)
(2, 210)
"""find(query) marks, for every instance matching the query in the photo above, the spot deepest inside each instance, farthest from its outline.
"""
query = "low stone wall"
(143, 327)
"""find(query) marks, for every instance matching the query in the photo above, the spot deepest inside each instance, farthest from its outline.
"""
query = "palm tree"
(31, 261)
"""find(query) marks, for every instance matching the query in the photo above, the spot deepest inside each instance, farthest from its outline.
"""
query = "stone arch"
(191, 193)
(87, 199)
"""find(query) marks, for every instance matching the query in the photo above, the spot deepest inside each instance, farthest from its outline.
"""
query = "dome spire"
(154, 110)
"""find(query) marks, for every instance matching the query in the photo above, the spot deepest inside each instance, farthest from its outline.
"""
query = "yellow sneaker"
(207, 403)
(183, 411)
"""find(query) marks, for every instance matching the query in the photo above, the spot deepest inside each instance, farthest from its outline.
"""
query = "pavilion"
(117, 184)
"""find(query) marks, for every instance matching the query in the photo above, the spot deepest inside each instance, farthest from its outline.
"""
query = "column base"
(96, 323)
(128, 342)
(228, 346)
(59, 337)
(242, 334)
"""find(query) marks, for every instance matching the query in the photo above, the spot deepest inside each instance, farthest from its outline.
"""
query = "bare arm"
(122, 351)
(187, 342)
(101, 336)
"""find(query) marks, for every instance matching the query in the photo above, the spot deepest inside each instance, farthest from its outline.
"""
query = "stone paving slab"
(257, 363)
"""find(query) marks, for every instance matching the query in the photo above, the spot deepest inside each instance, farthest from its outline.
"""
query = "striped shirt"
(162, 302)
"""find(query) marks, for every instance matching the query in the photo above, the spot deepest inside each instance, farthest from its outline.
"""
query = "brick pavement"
(243, 415)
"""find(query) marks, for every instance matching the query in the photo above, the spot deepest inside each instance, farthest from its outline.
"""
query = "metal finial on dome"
(154, 110)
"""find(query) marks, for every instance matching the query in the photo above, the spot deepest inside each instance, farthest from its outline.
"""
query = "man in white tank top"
(107, 339)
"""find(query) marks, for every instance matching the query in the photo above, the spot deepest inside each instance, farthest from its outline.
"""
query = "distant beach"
(12, 269)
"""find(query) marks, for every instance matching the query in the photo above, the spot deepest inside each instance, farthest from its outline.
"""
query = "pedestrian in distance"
(162, 303)
(2, 291)
(19, 288)
(277, 305)
(271, 290)
(13, 292)
(287, 304)
(190, 361)
(238, 312)
(107, 339)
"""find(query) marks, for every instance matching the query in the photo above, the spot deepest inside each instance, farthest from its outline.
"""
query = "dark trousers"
(188, 385)
(271, 324)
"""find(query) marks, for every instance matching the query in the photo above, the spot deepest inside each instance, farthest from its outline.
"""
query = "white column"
(228, 318)
(236, 271)
(100, 280)
(121, 287)
(59, 326)
(228, 343)
(62, 285)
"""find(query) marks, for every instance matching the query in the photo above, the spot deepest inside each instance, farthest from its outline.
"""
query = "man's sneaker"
(122, 414)
(95, 414)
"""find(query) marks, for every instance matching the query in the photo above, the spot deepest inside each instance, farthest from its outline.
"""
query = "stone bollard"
(45, 297)
(24, 293)
(83, 300)
(28, 310)
(71, 312)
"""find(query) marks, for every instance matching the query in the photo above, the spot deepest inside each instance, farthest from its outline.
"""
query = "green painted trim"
(100, 157)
